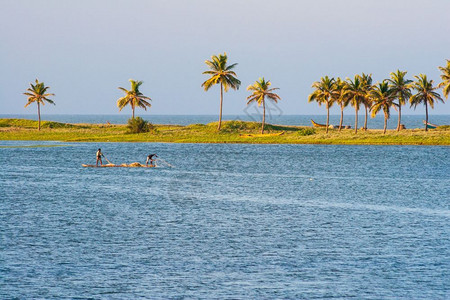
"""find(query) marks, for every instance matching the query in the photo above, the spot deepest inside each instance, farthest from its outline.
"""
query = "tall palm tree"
(324, 94)
(133, 97)
(38, 93)
(445, 84)
(382, 99)
(356, 92)
(342, 99)
(221, 73)
(425, 94)
(261, 89)
(367, 86)
(401, 90)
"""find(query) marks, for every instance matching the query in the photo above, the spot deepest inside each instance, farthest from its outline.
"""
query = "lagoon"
(227, 221)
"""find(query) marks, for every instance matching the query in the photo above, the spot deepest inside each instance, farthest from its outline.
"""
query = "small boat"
(317, 124)
(329, 126)
(323, 125)
(429, 125)
(132, 165)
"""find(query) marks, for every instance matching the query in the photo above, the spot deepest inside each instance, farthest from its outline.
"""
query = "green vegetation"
(325, 93)
(133, 97)
(367, 100)
(260, 90)
(232, 132)
(306, 131)
(221, 73)
(445, 84)
(425, 94)
(359, 91)
(138, 125)
(382, 99)
(341, 98)
(354, 89)
(24, 123)
(401, 90)
(37, 93)
(380, 96)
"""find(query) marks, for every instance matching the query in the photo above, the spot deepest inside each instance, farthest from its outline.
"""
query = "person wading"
(150, 159)
(99, 157)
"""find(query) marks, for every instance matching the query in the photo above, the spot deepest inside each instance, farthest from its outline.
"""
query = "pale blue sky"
(85, 49)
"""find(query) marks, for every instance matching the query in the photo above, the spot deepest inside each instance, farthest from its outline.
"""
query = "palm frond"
(425, 92)
(38, 93)
(220, 73)
(445, 76)
(122, 102)
(260, 90)
(231, 67)
(210, 82)
(133, 97)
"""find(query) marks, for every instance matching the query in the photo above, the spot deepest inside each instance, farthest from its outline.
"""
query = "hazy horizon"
(84, 50)
(361, 113)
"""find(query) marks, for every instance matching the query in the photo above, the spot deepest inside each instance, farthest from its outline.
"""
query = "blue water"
(226, 222)
(410, 121)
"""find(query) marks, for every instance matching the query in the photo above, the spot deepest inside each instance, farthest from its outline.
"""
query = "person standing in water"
(99, 157)
(150, 159)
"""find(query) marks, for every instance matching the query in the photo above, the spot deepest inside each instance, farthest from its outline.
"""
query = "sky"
(84, 49)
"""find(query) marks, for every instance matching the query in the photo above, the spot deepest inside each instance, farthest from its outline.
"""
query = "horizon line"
(78, 114)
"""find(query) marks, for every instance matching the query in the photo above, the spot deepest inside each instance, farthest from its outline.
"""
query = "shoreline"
(233, 132)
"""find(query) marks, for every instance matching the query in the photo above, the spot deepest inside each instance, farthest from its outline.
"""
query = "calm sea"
(226, 222)
(410, 121)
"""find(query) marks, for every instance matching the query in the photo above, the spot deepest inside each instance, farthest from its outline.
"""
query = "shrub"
(306, 131)
(50, 124)
(139, 125)
(196, 126)
(444, 127)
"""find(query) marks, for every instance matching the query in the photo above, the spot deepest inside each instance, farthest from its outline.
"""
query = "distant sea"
(410, 121)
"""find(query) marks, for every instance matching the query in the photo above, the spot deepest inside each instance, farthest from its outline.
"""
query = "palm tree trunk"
(133, 112)
(399, 116)
(342, 117)
(221, 101)
(264, 116)
(39, 117)
(328, 116)
(365, 120)
(356, 120)
(385, 124)
(426, 115)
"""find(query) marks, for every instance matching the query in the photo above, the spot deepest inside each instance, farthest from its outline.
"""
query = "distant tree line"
(394, 92)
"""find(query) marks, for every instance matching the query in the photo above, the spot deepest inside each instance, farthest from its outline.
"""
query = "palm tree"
(445, 84)
(38, 93)
(367, 86)
(401, 90)
(356, 92)
(425, 94)
(261, 89)
(133, 97)
(324, 93)
(382, 99)
(223, 74)
(340, 87)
